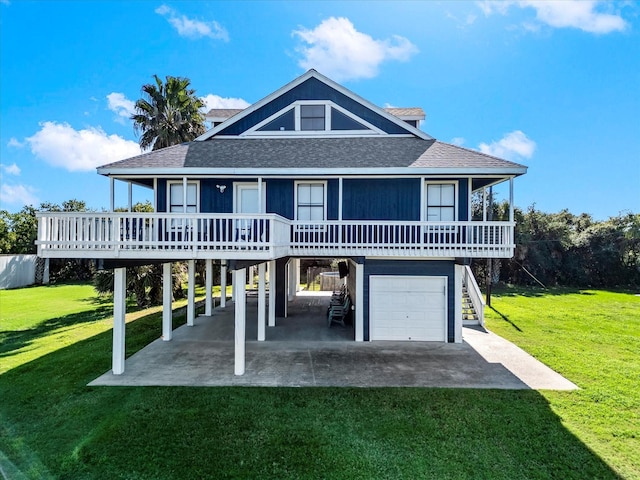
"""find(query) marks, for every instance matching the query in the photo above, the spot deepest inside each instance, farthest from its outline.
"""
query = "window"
(441, 202)
(176, 197)
(310, 203)
(312, 117)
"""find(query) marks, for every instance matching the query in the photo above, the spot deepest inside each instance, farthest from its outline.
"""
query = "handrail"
(477, 300)
(192, 235)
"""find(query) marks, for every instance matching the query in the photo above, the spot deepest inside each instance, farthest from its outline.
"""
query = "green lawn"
(53, 426)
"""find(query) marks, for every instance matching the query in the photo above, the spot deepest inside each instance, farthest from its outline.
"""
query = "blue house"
(311, 170)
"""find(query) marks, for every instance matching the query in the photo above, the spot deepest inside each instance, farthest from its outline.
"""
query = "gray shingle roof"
(406, 112)
(312, 153)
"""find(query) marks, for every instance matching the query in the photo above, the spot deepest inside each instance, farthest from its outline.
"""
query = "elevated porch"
(186, 236)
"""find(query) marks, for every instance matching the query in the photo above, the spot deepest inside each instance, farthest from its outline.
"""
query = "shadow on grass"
(13, 341)
(534, 291)
(76, 431)
(506, 319)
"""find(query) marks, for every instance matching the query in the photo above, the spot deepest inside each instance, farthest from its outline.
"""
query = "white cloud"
(338, 50)
(585, 15)
(512, 146)
(12, 169)
(13, 142)
(79, 150)
(191, 28)
(459, 141)
(121, 105)
(18, 195)
(216, 101)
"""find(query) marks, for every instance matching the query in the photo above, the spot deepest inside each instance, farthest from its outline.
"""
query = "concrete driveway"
(301, 351)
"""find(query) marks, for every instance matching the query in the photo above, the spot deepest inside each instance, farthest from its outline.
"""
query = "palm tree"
(168, 113)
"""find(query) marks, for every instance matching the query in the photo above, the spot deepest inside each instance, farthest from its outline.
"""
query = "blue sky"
(552, 85)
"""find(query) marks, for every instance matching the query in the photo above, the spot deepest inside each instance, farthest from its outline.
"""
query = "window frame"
(296, 204)
(181, 183)
(425, 200)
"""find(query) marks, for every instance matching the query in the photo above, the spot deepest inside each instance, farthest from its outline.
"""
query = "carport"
(302, 351)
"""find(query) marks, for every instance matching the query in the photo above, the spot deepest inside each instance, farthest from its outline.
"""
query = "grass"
(593, 338)
(53, 426)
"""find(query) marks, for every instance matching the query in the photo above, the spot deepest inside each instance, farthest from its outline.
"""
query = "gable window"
(310, 201)
(177, 197)
(312, 117)
(441, 202)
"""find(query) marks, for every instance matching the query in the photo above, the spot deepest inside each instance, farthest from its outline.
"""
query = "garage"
(408, 308)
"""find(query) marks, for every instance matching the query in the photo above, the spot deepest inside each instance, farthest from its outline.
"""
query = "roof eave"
(255, 172)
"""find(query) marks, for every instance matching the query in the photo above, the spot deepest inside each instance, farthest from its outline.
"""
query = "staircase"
(472, 300)
(469, 314)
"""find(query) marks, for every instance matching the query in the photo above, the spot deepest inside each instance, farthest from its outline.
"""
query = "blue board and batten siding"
(411, 268)
(363, 199)
(313, 89)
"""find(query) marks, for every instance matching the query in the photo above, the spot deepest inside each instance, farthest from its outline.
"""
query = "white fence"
(20, 270)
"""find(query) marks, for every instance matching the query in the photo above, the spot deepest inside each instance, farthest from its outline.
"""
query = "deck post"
(261, 302)
(167, 295)
(223, 283)
(119, 313)
(291, 279)
(191, 291)
(240, 319)
(208, 303)
(359, 313)
(272, 293)
(457, 301)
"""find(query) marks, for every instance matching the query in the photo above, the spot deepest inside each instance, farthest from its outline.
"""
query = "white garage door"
(407, 308)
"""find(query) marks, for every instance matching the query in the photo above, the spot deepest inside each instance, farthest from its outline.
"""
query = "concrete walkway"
(302, 351)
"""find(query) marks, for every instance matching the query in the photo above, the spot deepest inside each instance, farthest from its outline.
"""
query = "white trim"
(184, 192)
(295, 196)
(425, 193)
(370, 130)
(298, 81)
(480, 172)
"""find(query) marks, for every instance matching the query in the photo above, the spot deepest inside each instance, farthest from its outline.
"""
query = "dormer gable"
(313, 106)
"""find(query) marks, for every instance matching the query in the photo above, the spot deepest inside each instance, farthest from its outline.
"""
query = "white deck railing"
(266, 236)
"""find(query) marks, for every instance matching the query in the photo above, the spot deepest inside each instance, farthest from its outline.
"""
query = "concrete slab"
(302, 351)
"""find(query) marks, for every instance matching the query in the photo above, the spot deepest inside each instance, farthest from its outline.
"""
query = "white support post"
(272, 293)
(130, 197)
(240, 320)
(340, 200)
(234, 280)
(119, 313)
(511, 199)
(112, 194)
(155, 194)
(223, 283)
(457, 301)
(208, 302)
(484, 204)
(191, 292)
(359, 320)
(261, 302)
(167, 295)
(291, 281)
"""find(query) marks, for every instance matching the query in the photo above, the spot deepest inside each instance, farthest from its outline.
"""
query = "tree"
(168, 113)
